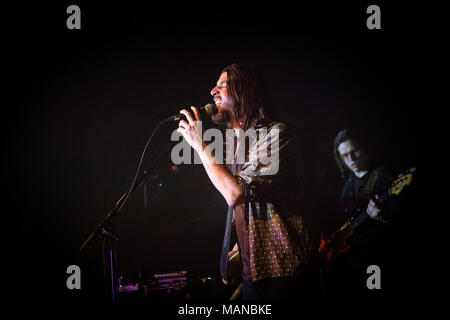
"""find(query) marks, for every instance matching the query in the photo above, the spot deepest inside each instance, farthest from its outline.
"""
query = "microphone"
(208, 110)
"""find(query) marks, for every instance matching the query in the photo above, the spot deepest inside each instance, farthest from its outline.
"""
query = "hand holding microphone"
(192, 128)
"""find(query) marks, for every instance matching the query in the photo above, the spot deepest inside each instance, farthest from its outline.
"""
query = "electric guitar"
(331, 248)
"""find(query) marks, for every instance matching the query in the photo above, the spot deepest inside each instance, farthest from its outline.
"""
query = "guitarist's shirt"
(368, 239)
(274, 235)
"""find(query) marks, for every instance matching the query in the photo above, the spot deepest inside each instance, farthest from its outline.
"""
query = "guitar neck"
(356, 221)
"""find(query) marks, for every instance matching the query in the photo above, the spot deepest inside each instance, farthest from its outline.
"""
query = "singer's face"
(221, 98)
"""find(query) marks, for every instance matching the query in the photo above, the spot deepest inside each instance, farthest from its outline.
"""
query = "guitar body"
(336, 245)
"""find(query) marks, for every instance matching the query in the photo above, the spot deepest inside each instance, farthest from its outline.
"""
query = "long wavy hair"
(249, 94)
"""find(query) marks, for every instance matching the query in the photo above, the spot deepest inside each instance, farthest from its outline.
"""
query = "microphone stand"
(106, 229)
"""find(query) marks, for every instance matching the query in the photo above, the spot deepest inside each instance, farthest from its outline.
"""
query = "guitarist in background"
(369, 242)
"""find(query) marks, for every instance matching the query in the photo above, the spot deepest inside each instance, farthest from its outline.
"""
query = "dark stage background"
(82, 104)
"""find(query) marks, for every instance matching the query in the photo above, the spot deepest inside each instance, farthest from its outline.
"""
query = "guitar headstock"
(400, 183)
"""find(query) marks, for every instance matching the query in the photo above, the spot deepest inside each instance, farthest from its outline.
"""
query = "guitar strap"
(371, 182)
(368, 190)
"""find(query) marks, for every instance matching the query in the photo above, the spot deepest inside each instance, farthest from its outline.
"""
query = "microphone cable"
(140, 165)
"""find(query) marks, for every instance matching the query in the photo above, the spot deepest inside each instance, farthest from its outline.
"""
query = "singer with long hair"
(266, 210)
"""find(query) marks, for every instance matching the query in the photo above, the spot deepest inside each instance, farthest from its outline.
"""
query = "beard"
(218, 118)
(222, 117)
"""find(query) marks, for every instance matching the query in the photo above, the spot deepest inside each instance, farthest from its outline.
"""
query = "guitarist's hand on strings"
(374, 209)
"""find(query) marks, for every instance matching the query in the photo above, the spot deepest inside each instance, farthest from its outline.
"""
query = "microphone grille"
(211, 109)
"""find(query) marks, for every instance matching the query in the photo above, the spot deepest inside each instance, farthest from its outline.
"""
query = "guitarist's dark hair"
(345, 135)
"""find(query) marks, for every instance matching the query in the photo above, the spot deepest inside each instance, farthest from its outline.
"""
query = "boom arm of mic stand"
(103, 228)
(107, 221)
